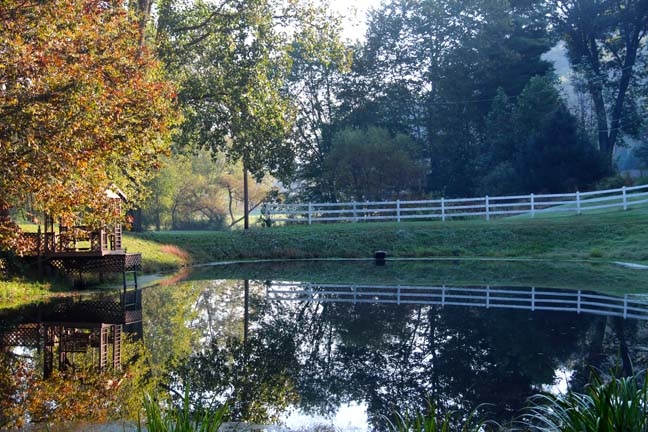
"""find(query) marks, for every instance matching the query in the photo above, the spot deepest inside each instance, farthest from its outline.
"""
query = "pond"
(326, 345)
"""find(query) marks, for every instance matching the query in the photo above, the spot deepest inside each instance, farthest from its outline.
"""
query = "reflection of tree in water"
(387, 356)
(73, 359)
(611, 346)
(459, 357)
(251, 373)
(81, 394)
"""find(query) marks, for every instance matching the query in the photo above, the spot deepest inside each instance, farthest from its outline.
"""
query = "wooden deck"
(74, 242)
(80, 250)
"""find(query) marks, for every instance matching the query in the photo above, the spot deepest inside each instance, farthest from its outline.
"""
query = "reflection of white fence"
(533, 299)
(485, 207)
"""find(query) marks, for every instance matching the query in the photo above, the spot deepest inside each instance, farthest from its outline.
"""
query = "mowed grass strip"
(614, 236)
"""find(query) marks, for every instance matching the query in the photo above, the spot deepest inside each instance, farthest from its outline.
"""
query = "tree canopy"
(606, 42)
(230, 62)
(371, 165)
(85, 107)
(461, 92)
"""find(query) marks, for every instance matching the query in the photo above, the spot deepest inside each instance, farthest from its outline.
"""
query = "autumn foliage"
(84, 107)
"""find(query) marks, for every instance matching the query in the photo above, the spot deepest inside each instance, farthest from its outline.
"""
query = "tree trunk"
(144, 10)
(624, 352)
(246, 204)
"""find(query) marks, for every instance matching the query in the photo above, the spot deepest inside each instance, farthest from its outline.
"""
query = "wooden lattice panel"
(133, 262)
(87, 311)
(25, 335)
(98, 264)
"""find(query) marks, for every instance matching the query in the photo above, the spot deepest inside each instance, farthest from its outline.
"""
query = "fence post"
(443, 209)
(625, 306)
(578, 304)
(578, 203)
(532, 205)
(625, 198)
(355, 215)
(398, 219)
(533, 298)
(487, 209)
(310, 213)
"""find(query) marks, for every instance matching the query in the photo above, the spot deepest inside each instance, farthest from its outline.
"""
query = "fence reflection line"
(532, 298)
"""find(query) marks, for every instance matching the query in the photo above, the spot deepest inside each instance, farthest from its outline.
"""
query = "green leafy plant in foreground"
(180, 418)
(432, 421)
(620, 405)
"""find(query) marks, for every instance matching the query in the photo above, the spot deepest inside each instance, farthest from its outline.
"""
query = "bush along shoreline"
(619, 404)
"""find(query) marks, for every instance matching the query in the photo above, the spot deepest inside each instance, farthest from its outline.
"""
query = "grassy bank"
(614, 236)
(17, 290)
(600, 238)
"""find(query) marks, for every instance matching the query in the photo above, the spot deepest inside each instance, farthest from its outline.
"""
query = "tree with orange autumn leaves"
(84, 106)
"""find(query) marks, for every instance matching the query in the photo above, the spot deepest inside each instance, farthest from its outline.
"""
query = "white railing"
(443, 209)
(533, 299)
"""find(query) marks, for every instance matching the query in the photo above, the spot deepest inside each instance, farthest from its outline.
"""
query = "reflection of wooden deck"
(68, 327)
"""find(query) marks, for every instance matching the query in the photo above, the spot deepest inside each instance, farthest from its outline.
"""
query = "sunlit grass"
(156, 257)
(16, 292)
(26, 286)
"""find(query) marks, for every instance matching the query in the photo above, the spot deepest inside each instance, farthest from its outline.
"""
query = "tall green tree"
(233, 62)
(536, 145)
(372, 165)
(320, 63)
(606, 42)
(431, 69)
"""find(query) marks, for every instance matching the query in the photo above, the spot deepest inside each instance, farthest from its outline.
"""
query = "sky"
(354, 12)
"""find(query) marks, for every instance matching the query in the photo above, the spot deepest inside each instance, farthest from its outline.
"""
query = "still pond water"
(297, 348)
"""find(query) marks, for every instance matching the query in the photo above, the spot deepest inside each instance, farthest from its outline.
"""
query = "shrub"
(619, 405)
(181, 418)
(432, 421)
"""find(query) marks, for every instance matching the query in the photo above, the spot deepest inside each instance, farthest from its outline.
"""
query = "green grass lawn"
(612, 236)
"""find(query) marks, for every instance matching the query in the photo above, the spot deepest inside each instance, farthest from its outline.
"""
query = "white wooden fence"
(533, 299)
(443, 209)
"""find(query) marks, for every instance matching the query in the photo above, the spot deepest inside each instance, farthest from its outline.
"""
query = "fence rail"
(443, 209)
(533, 299)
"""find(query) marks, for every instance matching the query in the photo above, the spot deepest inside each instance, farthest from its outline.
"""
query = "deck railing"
(533, 299)
(444, 209)
(74, 240)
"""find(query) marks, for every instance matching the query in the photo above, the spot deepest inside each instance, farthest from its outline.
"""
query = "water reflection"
(327, 354)
(267, 347)
(63, 359)
(498, 297)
